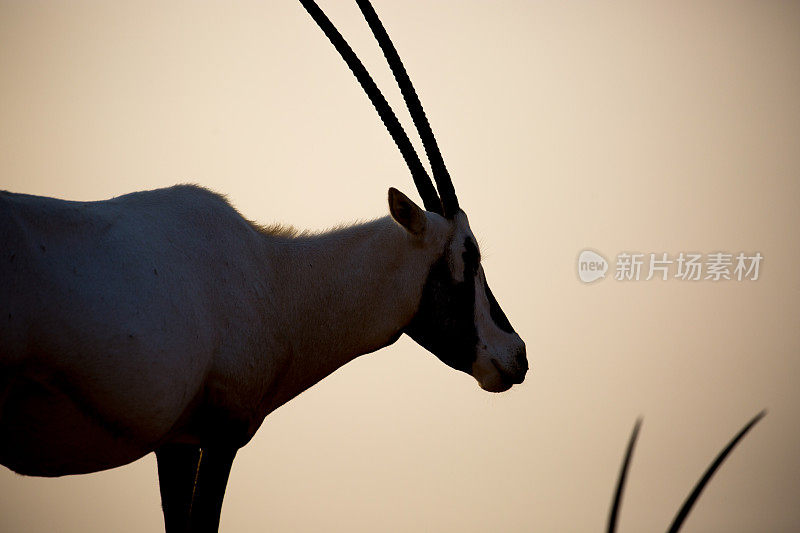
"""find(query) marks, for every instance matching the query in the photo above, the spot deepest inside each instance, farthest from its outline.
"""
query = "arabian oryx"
(164, 321)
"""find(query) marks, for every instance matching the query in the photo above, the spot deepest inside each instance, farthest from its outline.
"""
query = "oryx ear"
(406, 213)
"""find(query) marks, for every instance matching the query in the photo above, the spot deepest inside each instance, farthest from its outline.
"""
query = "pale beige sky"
(658, 127)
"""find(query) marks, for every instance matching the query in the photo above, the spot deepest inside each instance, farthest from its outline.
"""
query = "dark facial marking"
(445, 321)
(472, 260)
(497, 314)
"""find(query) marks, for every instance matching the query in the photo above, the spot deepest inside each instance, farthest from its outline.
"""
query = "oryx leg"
(192, 482)
(177, 472)
(209, 490)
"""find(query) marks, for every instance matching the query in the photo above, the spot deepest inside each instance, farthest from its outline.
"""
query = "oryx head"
(458, 318)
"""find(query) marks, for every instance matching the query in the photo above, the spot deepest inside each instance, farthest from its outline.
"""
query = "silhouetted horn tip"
(701, 484)
(613, 514)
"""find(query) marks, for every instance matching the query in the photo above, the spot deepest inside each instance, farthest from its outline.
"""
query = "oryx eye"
(472, 257)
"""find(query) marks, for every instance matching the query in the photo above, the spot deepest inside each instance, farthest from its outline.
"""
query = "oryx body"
(164, 321)
(166, 318)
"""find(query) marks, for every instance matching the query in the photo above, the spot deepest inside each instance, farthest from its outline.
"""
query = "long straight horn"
(421, 179)
(440, 174)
